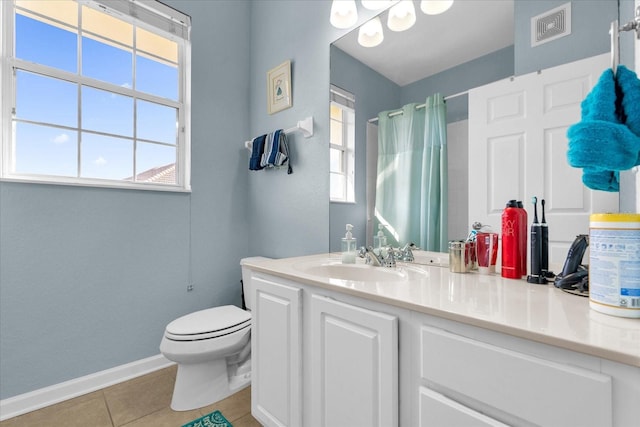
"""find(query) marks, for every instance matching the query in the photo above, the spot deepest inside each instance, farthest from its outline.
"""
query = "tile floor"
(140, 402)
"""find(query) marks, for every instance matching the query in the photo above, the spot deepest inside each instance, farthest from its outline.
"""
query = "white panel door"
(518, 146)
(276, 348)
(354, 366)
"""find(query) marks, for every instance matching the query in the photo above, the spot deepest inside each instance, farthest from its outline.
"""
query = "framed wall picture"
(279, 88)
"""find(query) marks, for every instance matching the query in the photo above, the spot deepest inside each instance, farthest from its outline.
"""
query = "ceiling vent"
(551, 25)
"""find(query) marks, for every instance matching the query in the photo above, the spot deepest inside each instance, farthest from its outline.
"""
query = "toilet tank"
(247, 286)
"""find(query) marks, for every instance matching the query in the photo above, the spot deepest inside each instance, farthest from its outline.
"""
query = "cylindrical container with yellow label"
(614, 264)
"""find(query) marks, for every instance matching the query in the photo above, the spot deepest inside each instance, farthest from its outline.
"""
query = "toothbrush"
(536, 247)
(544, 262)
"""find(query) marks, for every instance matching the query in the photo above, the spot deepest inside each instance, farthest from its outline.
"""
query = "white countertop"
(540, 313)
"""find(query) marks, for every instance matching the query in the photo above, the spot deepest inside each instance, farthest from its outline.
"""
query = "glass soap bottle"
(380, 240)
(349, 247)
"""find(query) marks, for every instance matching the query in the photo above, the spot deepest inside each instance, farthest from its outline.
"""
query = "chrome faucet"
(405, 253)
(377, 260)
(369, 256)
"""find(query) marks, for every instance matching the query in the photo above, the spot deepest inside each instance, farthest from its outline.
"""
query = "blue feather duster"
(607, 138)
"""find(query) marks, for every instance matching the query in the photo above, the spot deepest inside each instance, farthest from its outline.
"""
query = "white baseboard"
(27, 402)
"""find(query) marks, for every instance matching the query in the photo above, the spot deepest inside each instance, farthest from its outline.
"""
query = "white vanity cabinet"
(354, 365)
(335, 359)
(386, 354)
(276, 347)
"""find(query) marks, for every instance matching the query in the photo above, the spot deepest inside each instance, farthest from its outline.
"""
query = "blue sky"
(44, 149)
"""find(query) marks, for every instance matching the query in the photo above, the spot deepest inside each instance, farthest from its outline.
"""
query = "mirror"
(469, 45)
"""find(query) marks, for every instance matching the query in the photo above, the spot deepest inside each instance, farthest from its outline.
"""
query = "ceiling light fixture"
(375, 4)
(344, 13)
(435, 7)
(402, 16)
(370, 34)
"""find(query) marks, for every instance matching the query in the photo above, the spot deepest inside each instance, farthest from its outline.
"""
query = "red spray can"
(511, 241)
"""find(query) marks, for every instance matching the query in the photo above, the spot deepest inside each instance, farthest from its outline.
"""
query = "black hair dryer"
(573, 271)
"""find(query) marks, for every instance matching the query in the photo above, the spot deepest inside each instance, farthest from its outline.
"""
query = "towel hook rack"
(615, 50)
(614, 32)
(305, 126)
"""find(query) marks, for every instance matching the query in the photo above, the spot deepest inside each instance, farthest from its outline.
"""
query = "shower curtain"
(411, 183)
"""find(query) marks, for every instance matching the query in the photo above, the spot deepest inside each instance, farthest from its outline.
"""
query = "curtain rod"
(397, 113)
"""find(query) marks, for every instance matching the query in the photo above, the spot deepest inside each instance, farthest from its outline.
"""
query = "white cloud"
(100, 161)
(61, 139)
(126, 85)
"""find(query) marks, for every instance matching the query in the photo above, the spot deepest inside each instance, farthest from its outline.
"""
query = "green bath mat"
(214, 419)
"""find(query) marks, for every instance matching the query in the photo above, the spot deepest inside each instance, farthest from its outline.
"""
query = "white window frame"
(152, 16)
(346, 102)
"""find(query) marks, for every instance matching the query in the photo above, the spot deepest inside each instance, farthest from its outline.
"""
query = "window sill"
(100, 184)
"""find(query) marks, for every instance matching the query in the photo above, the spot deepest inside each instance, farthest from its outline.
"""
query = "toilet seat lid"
(209, 320)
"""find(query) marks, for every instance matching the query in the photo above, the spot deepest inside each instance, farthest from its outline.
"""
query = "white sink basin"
(431, 258)
(361, 272)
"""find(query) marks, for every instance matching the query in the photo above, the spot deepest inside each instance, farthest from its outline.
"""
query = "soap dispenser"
(379, 241)
(349, 247)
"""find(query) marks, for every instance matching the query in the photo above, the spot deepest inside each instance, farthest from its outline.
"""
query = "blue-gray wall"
(589, 33)
(290, 213)
(480, 71)
(90, 277)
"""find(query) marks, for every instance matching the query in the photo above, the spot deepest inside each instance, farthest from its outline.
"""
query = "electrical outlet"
(189, 287)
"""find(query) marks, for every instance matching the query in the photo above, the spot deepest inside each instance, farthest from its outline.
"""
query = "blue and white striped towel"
(276, 151)
(257, 148)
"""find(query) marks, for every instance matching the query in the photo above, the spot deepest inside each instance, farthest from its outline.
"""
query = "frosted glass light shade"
(370, 33)
(402, 16)
(435, 7)
(375, 4)
(344, 13)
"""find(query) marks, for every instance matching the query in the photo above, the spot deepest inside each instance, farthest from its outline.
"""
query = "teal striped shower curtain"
(411, 184)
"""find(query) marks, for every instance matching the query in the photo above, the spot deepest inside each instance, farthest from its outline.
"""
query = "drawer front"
(537, 390)
(437, 410)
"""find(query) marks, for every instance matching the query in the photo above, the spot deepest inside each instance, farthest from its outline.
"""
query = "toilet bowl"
(212, 348)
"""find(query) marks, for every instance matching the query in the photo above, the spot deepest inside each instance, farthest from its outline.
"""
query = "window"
(93, 96)
(342, 146)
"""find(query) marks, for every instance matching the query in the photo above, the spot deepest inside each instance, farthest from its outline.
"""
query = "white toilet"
(212, 348)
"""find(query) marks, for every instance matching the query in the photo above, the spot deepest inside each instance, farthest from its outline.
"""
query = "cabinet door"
(354, 365)
(276, 354)
(438, 411)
